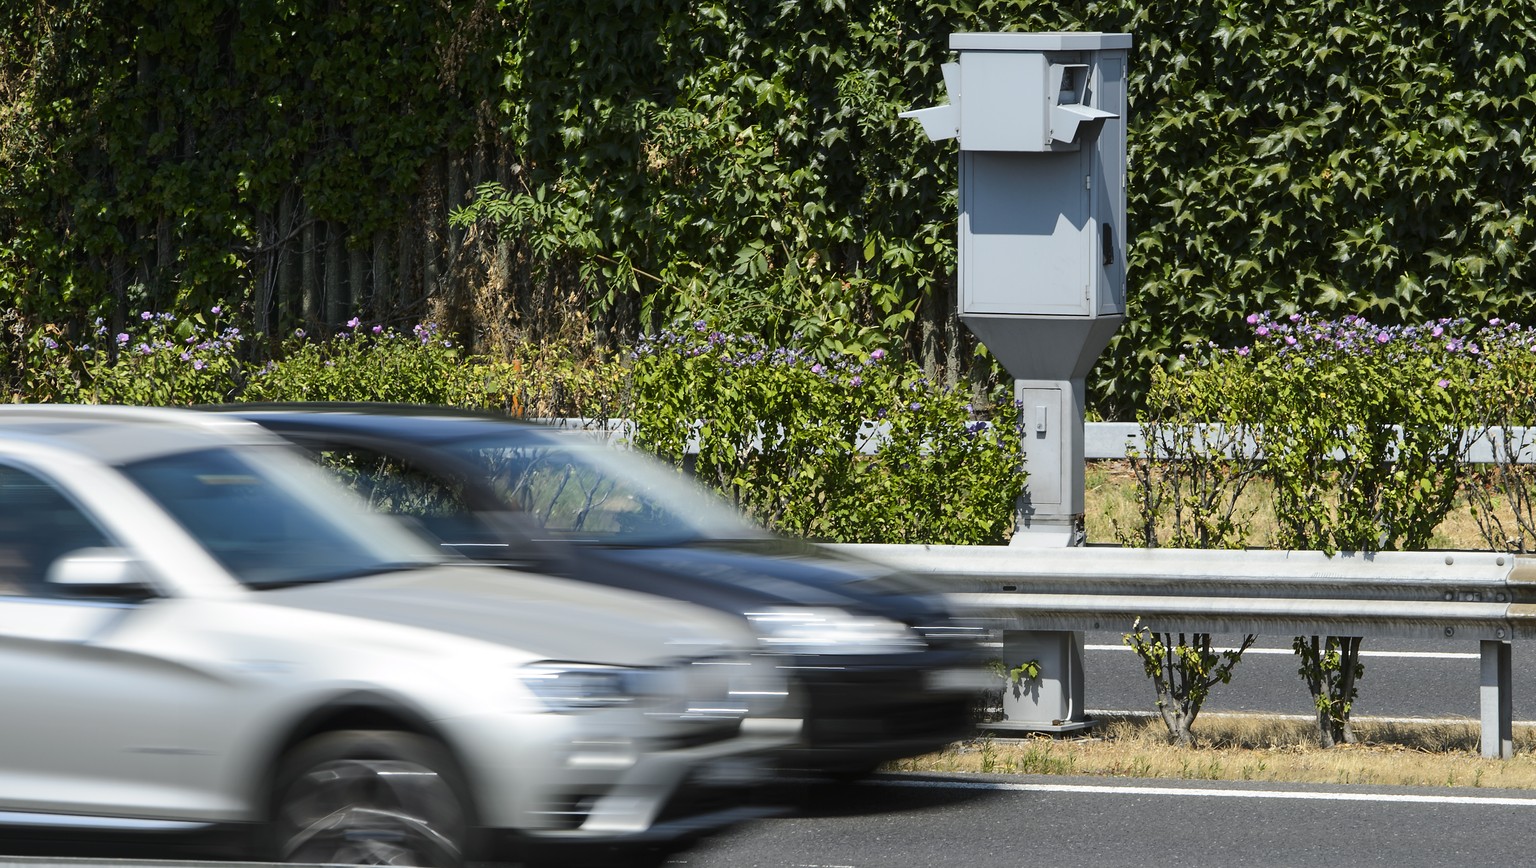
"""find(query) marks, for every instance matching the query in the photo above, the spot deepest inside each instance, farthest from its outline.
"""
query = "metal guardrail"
(1482, 596)
(1463, 595)
(1101, 440)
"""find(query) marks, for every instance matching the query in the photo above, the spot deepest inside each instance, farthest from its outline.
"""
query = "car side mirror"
(98, 572)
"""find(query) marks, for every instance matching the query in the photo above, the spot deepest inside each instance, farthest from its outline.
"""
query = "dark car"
(878, 669)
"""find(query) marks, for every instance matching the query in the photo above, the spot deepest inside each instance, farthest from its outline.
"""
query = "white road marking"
(1255, 715)
(1296, 795)
(1421, 655)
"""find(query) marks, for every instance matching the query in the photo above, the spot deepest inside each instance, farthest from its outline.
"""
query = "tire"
(370, 798)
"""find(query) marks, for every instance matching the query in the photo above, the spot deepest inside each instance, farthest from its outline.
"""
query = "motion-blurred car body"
(199, 631)
(879, 670)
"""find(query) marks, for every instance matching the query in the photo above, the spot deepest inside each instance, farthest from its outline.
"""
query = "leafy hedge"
(853, 448)
(780, 433)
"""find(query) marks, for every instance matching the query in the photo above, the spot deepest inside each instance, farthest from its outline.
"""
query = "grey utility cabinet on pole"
(1041, 123)
(1040, 119)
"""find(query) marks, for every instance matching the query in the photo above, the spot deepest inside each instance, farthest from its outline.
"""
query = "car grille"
(940, 720)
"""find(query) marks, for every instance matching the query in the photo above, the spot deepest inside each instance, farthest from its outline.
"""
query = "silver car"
(201, 632)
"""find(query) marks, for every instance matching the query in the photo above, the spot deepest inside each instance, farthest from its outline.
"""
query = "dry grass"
(1252, 748)
(1110, 504)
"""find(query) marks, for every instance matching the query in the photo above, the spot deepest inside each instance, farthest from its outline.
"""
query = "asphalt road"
(1403, 678)
(914, 821)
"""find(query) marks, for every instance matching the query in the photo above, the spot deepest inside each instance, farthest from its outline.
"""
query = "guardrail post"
(1496, 702)
(1053, 701)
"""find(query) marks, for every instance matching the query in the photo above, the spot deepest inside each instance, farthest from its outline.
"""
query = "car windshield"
(589, 492)
(274, 521)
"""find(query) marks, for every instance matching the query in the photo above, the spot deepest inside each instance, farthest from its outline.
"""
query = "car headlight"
(831, 631)
(568, 687)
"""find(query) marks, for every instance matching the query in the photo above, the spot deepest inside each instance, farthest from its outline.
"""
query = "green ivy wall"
(532, 170)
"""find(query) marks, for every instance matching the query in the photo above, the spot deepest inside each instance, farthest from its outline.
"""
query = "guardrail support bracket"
(1495, 700)
(1052, 702)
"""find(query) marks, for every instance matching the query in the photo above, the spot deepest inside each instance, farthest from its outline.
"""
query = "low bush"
(787, 437)
(847, 448)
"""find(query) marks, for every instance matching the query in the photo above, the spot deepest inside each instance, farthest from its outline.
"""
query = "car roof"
(116, 435)
(421, 424)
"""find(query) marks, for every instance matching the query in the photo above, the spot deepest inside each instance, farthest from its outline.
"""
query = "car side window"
(397, 487)
(568, 496)
(38, 524)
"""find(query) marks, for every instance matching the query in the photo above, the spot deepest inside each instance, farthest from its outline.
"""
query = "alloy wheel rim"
(372, 812)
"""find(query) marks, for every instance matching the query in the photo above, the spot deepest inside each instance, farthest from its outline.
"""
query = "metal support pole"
(1050, 515)
(1495, 700)
(1050, 511)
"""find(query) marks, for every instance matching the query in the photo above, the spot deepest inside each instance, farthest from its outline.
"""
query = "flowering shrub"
(158, 359)
(1359, 427)
(373, 363)
(1362, 426)
(789, 437)
(1501, 493)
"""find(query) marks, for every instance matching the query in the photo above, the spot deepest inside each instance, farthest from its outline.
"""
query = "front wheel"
(370, 798)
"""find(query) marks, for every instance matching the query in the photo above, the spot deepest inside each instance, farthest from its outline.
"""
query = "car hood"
(548, 618)
(749, 574)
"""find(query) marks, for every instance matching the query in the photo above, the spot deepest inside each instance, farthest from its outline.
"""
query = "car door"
(94, 725)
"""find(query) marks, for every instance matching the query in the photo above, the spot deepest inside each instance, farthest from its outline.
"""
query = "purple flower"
(146, 315)
(353, 323)
(298, 333)
(856, 382)
(122, 338)
(877, 355)
(216, 310)
(1290, 341)
(1242, 351)
(197, 364)
(186, 357)
(378, 329)
(1253, 319)
(1442, 383)
(817, 368)
(1382, 338)
(50, 343)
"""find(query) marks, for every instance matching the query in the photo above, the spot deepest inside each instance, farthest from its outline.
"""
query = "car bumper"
(859, 713)
(588, 796)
